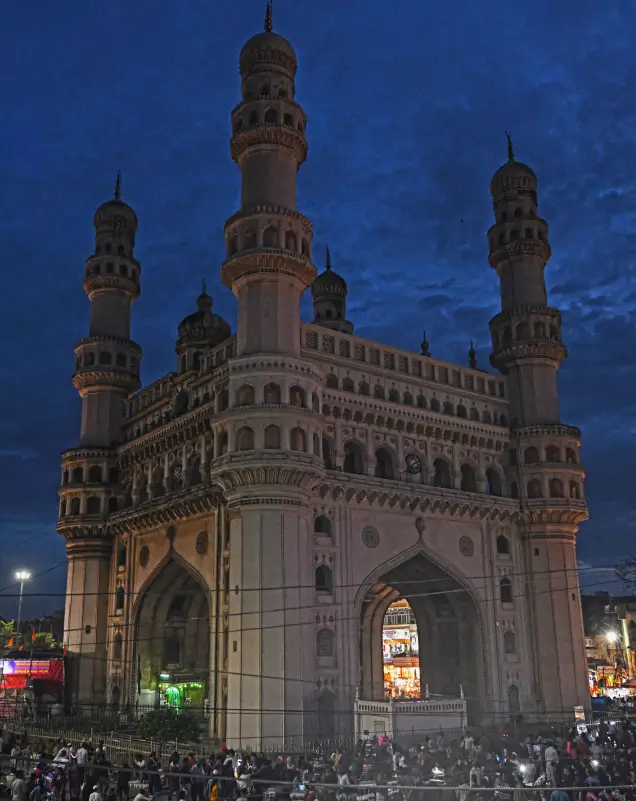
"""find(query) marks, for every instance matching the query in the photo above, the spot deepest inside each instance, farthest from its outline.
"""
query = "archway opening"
(400, 652)
(173, 642)
(444, 627)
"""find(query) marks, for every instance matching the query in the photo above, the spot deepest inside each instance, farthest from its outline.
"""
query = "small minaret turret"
(107, 360)
(268, 264)
(329, 293)
(544, 469)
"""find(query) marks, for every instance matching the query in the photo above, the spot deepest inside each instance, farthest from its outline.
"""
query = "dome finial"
(118, 185)
(204, 290)
(511, 153)
(472, 357)
(328, 258)
(426, 350)
(268, 17)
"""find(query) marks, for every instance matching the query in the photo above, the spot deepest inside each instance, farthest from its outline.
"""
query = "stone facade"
(244, 522)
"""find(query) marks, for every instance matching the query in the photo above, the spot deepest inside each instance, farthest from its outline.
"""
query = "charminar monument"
(237, 530)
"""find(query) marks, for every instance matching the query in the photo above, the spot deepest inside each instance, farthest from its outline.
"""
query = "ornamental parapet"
(524, 248)
(74, 527)
(73, 455)
(269, 134)
(259, 57)
(547, 430)
(105, 377)
(122, 342)
(252, 209)
(268, 260)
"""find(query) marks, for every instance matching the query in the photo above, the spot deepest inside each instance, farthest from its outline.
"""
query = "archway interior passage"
(173, 641)
(400, 652)
(446, 621)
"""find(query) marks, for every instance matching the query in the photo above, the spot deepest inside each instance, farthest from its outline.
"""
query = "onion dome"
(328, 283)
(267, 48)
(115, 209)
(513, 175)
(203, 327)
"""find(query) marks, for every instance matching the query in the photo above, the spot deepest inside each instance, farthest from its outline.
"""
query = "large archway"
(172, 641)
(451, 656)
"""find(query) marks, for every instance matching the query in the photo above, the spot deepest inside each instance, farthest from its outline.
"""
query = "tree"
(169, 724)
(7, 633)
(43, 639)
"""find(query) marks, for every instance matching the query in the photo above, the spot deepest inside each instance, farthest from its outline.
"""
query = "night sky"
(407, 105)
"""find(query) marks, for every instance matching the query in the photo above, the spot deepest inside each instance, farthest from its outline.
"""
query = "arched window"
(441, 474)
(474, 413)
(271, 116)
(184, 363)
(105, 357)
(503, 545)
(120, 360)
(245, 395)
(327, 453)
(421, 402)
(353, 458)
(172, 650)
(407, 399)
(469, 479)
(93, 505)
(522, 331)
(113, 504)
(89, 361)
(288, 120)
(298, 440)
(363, 388)
(223, 400)
(271, 393)
(254, 118)
(378, 391)
(324, 580)
(513, 700)
(514, 490)
(509, 642)
(322, 525)
(332, 381)
(570, 456)
(505, 590)
(297, 397)
(196, 360)
(315, 402)
(486, 417)
(534, 488)
(435, 407)
(539, 330)
(118, 644)
(556, 488)
(249, 239)
(272, 437)
(503, 420)
(394, 396)
(245, 439)
(493, 482)
(120, 597)
(384, 464)
(531, 456)
(75, 506)
(324, 643)
(270, 237)
(575, 492)
(448, 407)
(462, 411)
(62, 508)
(65, 477)
(291, 243)
(95, 474)
(348, 385)
(552, 454)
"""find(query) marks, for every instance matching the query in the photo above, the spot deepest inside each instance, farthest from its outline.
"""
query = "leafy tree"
(43, 639)
(7, 633)
(169, 724)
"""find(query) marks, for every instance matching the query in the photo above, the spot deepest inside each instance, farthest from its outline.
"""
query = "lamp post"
(21, 576)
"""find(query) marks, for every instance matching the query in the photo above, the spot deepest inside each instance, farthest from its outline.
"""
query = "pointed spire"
(118, 186)
(472, 357)
(426, 350)
(511, 152)
(268, 17)
(328, 258)
(204, 289)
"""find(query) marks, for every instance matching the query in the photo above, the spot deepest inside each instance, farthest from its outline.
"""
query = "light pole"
(21, 576)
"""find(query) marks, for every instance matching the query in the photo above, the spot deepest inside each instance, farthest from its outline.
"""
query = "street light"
(21, 576)
(611, 636)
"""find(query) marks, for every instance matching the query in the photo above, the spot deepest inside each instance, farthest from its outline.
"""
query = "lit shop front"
(181, 692)
(31, 684)
(400, 649)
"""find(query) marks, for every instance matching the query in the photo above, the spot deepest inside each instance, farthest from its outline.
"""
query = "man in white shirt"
(551, 759)
(95, 795)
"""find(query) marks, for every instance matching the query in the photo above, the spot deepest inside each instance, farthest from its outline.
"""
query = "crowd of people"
(484, 767)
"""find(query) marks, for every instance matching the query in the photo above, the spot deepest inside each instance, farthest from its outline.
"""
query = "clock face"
(413, 464)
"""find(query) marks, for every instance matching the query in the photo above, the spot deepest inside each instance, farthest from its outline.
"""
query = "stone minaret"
(268, 241)
(274, 424)
(106, 372)
(544, 469)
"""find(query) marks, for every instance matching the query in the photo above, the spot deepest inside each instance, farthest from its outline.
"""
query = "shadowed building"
(237, 530)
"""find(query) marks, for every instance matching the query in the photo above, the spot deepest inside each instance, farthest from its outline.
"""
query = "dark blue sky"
(407, 105)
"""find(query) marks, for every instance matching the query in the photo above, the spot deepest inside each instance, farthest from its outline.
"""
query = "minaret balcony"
(269, 134)
(555, 513)
(267, 260)
(105, 377)
(516, 249)
(531, 349)
(100, 282)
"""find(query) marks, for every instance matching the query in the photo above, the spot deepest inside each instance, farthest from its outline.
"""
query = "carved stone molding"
(263, 468)
(106, 376)
(549, 349)
(268, 260)
(251, 209)
(165, 510)
(266, 55)
(94, 283)
(269, 134)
